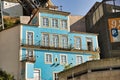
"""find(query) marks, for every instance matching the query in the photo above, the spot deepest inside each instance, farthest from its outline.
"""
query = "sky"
(75, 7)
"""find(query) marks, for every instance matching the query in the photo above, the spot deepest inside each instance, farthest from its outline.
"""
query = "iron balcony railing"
(29, 59)
(39, 44)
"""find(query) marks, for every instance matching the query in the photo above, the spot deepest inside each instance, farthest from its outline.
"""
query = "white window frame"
(88, 39)
(54, 75)
(48, 59)
(54, 22)
(45, 42)
(64, 24)
(64, 43)
(76, 43)
(45, 21)
(55, 42)
(27, 42)
(78, 62)
(61, 61)
(39, 72)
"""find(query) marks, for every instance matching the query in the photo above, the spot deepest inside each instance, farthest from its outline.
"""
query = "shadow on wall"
(77, 24)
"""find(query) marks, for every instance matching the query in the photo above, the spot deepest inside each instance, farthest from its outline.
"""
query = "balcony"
(29, 59)
(39, 45)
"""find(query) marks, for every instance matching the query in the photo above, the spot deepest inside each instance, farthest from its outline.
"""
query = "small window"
(64, 42)
(63, 59)
(29, 38)
(55, 23)
(45, 40)
(79, 59)
(64, 24)
(45, 22)
(55, 41)
(90, 44)
(55, 76)
(48, 58)
(77, 43)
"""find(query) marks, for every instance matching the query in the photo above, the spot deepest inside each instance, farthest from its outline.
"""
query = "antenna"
(61, 7)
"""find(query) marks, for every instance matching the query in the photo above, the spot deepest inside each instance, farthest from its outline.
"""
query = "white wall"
(9, 51)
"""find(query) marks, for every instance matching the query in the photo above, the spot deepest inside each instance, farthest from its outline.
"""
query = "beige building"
(105, 69)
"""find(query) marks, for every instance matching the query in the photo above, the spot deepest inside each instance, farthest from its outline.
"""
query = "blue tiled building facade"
(48, 46)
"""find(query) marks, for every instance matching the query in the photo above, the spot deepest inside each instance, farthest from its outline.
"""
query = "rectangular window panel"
(45, 40)
(55, 23)
(79, 59)
(55, 41)
(77, 43)
(45, 22)
(29, 38)
(64, 42)
(63, 59)
(64, 24)
(48, 58)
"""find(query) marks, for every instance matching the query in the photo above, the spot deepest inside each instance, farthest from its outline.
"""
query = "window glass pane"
(55, 41)
(78, 43)
(55, 23)
(64, 42)
(64, 24)
(45, 22)
(45, 40)
(48, 58)
(78, 59)
(29, 38)
(63, 59)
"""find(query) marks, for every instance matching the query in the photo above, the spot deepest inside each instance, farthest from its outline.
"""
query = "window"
(45, 22)
(55, 23)
(29, 53)
(45, 40)
(77, 43)
(63, 59)
(30, 38)
(89, 44)
(55, 41)
(79, 59)
(48, 58)
(64, 42)
(55, 76)
(64, 24)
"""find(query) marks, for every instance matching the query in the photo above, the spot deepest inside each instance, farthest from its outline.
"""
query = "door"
(37, 74)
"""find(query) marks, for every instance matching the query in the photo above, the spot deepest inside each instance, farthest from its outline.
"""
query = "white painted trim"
(66, 59)
(21, 31)
(45, 58)
(20, 54)
(68, 22)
